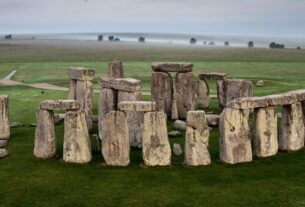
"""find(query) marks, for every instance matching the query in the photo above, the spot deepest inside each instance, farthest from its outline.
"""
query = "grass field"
(27, 181)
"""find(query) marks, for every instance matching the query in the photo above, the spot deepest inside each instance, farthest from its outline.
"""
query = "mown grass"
(27, 181)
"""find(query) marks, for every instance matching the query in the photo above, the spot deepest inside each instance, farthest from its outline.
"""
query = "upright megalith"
(45, 140)
(203, 93)
(115, 141)
(77, 148)
(156, 148)
(4, 118)
(115, 69)
(185, 93)
(162, 91)
(265, 141)
(197, 139)
(292, 128)
(81, 90)
(235, 137)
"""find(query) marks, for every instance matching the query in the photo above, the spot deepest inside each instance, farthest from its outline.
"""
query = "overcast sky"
(245, 17)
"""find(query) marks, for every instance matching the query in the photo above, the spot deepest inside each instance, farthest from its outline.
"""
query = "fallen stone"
(3, 143)
(121, 84)
(115, 141)
(235, 137)
(265, 143)
(197, 139)
(156, 148)
(15, 125)
(59, 105)
(4, 118)
(80, 73)
(177, 149)
(77, 148)
(212, 76)
(185, 93)
(174, 133)
(203, 94)
(212, 119)
(180, 125)
(292, 128)
(260, 83)
(59, 118)
(135, 119)
(115, 69)
(162, 91)
(172, 67)
(141, 106)
(45, 140)
(3, 153)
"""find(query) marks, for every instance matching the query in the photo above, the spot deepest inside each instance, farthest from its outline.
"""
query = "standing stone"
(45, 140)
(197, 139)
(115, 141)
(115, 69)
(292, 128)
(265, 142)
(235, 137)
(174, 114)
(203, 94)
(220, 93)
(134, 119)
(4, 118)
(77, 147)
(72, 90)
(156, 148)
(107, 103)
(84, 92)
(162, 91)
(185, 93)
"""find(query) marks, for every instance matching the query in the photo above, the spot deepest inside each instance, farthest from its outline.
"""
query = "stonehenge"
(115, 69)
(81, 90)
(162, 88)
(4, 125)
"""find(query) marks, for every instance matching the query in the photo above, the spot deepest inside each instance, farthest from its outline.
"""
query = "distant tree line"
(274, 45)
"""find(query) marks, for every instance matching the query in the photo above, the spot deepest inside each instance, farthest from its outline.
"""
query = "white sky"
(245, 17)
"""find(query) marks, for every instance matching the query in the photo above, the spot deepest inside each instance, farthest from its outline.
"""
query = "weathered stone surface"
(181, 125)
(265, 142)
(3, 143)
(172, 67)
(174, 115)
(197, 139)
(212, 119)
(72, 90)
(142, 106)
(203, 94)
(3, 153)
(212, 76)
(260, 83)
(77, 147)
(59, 104)
(4, 118)
(174, 133)
(292, 128)
(235, 88)
(156, 148)
(95, 143)
(264, 101)
(185, 93)
(115, 69)
(84, 92)
(220, 93)
(134, 119)
(177, 149)
(107, 102)
(115, 141)
(121, 84)
(59, 118)
(80, 73)
(235, 137)
(162, 91)
(15, 125)
(45, 140)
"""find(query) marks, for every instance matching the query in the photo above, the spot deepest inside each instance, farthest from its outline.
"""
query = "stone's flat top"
(122, 84)
(80, 73)
(3, 97)
(143, 106)
(212, 76)
(271, 100)
(172, 67)
(59, 104)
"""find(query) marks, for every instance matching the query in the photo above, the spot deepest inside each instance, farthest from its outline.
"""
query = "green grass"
(27, 181)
